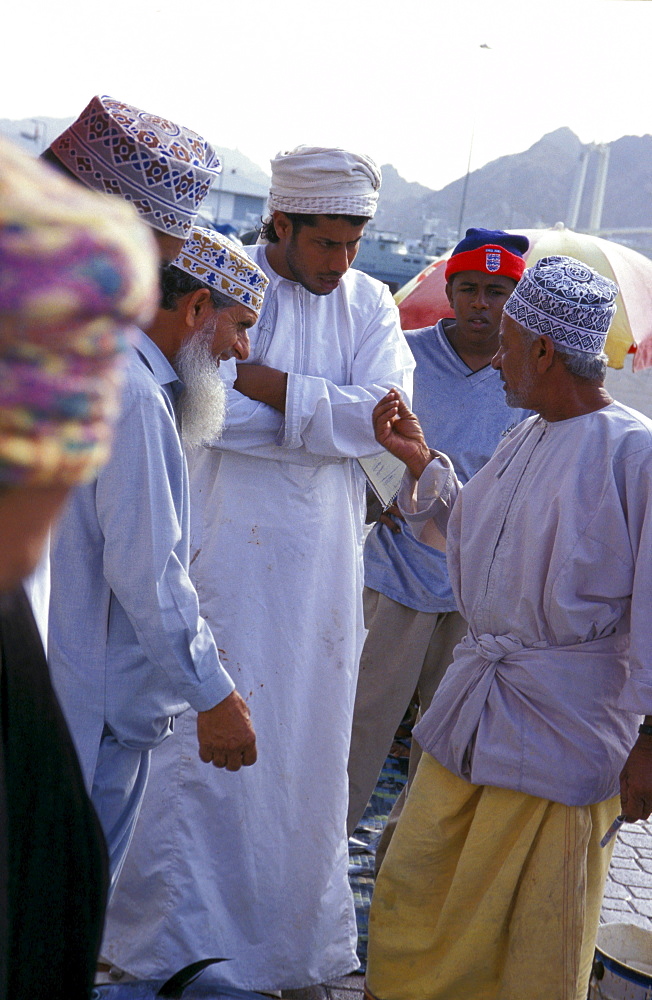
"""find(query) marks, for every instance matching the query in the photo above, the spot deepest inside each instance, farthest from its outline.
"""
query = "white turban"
(313, 180)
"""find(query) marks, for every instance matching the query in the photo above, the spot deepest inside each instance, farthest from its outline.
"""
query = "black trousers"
(53, 867)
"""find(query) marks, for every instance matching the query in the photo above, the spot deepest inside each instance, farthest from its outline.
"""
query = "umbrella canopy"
(422, 302)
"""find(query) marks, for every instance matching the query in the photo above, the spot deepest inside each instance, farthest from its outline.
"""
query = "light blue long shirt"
(464, 414)
(127, 645)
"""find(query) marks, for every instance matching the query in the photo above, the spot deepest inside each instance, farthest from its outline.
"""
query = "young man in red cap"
(409, 606)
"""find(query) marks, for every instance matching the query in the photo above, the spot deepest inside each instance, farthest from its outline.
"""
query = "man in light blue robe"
(128, 648)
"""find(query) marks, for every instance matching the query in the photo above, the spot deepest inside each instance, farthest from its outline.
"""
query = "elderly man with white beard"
(129, 647)
(211, 295)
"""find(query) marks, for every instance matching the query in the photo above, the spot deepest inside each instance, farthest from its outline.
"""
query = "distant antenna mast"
(578, 188)
(468, 167)
(466, 185)
(595, 221)
(602, 151)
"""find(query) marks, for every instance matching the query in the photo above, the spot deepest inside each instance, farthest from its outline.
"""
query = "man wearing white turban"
(276, 557)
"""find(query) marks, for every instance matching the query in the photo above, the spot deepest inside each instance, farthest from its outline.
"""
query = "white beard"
(202, 407)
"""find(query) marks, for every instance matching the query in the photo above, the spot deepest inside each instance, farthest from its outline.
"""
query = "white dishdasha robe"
(253, 866)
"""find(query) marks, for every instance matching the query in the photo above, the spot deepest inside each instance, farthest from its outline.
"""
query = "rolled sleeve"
(427, 503)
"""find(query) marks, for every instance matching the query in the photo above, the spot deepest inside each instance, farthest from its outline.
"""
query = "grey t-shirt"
(464, 414)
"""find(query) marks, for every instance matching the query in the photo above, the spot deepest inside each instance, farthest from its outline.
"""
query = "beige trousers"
(487, 893)
(405, 650)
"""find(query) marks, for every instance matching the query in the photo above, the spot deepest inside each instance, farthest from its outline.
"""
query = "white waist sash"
(541, 720)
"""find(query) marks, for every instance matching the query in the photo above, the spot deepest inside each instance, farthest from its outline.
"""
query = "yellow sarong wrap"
(487, 893)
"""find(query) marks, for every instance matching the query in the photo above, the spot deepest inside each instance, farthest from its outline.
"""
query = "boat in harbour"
(385, 256)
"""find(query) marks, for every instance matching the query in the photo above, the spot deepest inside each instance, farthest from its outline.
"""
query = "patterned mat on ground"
(362, 846)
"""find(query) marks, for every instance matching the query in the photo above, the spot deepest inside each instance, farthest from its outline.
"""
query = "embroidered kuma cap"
(490, 251)
(220, 264)
(567, 300)
(319, 180)
(163, 169)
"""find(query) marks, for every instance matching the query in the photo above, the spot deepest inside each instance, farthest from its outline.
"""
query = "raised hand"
(397, 429)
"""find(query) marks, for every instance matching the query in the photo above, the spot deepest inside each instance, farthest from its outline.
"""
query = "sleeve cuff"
(212, 691)
(636, 696)
(288, 436)
(416, 498)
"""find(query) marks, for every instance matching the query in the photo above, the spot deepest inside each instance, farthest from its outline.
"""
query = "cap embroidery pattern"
(567, 300)
(164, 169)
(216, 261)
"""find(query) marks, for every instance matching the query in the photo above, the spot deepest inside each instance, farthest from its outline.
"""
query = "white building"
(235, 199)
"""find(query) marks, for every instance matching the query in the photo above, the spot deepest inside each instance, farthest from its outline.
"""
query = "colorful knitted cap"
(163, 169)
(76, 271)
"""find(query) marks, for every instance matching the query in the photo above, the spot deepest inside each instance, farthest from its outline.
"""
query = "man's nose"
(480, 299)
(339, 261)
(241, 348)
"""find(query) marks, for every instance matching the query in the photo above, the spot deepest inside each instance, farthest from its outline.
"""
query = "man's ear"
(198, 305)
(282, 225)
(544, 348)
(449, 293)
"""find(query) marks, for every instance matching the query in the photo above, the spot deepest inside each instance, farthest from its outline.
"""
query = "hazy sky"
(406, 81)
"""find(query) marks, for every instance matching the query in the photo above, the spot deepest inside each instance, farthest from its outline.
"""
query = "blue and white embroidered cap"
(220, 264)
(567, 300)
(163, 169)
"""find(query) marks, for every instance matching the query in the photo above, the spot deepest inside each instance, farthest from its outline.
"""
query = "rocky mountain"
(628, 198)
(528, 190)
(525, 190)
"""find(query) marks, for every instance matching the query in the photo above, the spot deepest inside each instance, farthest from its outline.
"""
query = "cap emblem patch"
(492, 260)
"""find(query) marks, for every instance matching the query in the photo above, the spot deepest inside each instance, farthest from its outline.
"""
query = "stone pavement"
(628, 892)
(349, 988)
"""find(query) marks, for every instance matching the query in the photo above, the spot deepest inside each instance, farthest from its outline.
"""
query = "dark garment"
(53, 870)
